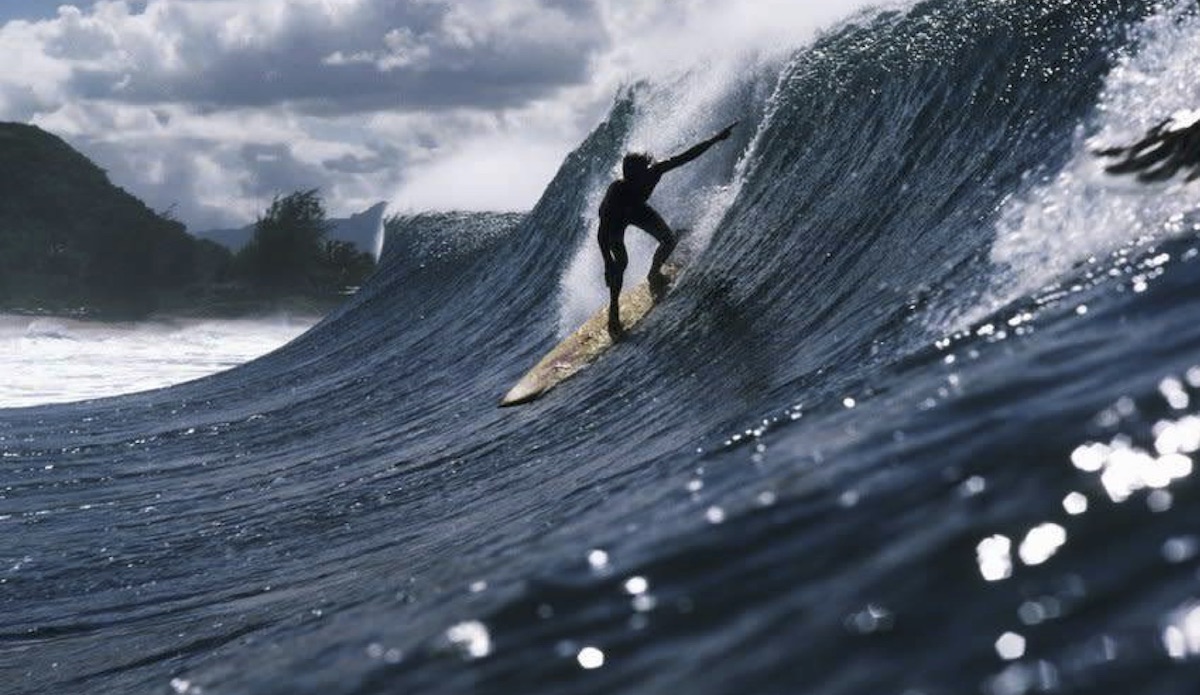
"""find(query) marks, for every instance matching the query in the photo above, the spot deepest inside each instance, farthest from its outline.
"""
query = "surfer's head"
(635, 164)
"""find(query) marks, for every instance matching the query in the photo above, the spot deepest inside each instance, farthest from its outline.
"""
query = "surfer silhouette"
(626, 202)
(1171, 145)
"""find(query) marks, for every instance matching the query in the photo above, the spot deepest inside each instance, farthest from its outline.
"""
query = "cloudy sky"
(212, 107)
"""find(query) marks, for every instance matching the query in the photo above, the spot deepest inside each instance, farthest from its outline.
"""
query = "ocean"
(920, 418)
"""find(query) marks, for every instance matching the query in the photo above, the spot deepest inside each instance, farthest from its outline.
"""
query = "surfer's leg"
(612, 248)
(651, 222)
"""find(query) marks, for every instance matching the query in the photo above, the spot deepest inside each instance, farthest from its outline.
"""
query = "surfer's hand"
(724, 134)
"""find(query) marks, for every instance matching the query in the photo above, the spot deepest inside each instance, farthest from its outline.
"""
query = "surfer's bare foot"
(615, 331)
(658, 284)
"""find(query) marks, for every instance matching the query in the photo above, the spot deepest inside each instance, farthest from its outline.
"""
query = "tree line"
(291, 254)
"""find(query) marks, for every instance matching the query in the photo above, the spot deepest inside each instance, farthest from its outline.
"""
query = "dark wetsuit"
(626, 203)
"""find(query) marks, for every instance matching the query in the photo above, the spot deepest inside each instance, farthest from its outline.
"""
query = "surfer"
(1171, 145)
(626, 202)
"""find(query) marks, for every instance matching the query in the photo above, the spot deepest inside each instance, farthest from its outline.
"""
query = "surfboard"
(586, 344)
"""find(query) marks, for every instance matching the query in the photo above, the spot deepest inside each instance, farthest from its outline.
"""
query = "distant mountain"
(363, 230)
(71, 240)
(73, 243)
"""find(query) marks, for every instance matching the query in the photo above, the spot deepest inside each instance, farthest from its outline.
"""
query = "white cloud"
(212, 106)
(502, 171)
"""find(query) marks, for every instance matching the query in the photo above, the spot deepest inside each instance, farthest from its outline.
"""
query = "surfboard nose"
(519, 394)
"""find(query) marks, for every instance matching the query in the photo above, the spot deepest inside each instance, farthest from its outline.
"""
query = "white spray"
(1082, 211)
(699, 74)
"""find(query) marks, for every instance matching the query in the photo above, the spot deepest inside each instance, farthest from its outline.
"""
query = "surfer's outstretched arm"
(692, 152)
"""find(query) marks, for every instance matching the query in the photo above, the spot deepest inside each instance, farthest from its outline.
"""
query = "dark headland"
(73, 243)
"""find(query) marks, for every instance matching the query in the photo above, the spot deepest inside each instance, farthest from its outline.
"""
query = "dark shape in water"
(1168, 147)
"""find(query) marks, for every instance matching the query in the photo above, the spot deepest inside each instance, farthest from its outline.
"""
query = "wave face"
(920, 417)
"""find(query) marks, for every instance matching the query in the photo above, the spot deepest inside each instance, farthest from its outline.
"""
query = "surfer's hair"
(635, 163)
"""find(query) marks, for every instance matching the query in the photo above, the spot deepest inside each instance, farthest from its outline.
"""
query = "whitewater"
(920, 416)
(60, 360)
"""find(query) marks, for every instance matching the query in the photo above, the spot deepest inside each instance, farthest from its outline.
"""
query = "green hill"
(72, 241)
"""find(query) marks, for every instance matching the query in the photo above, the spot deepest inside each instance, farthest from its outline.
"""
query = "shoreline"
(53, 360)
(299, 307)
